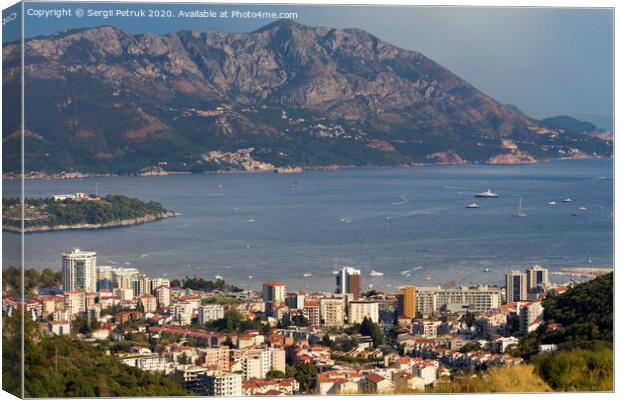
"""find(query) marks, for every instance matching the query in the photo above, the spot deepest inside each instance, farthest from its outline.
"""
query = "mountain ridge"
(284, 95)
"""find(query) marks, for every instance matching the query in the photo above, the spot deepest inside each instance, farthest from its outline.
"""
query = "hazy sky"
(545, 61)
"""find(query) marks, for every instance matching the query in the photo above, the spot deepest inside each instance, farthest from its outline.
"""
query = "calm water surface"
(399, 221)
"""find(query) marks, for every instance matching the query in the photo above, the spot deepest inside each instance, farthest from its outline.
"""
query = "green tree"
(305, 374)
(275, 374)
(58, 366)
(469, 318)
(326, 341)
(372, 329)
(285, 322)
(469, 346)
(583, 370)
(300, 320)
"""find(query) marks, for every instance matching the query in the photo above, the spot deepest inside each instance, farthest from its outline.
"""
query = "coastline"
(301, 170)
(112, 224)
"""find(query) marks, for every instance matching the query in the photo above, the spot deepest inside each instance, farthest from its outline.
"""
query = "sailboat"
(519, 212)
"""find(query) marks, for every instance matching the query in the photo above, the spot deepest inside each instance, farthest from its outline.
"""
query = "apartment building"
(360, 309)
(332, 311)
(210, 312)
(222, 384)
(480, 298)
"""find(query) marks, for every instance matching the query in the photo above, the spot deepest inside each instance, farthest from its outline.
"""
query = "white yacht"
(487, 194)
(566, 200)
(472, 205)
(376, 273)
(552, 203)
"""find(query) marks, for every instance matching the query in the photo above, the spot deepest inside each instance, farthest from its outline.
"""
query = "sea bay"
(409, 223)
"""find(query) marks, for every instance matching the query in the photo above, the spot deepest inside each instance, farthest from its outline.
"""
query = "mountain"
(575, 125)
(566, 122)
(103, 100)
(515, 109)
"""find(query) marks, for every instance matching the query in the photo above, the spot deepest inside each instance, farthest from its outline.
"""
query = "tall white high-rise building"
(79, 270)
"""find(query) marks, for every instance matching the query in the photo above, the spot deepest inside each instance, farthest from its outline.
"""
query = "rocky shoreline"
(112, 224)
(440, 159)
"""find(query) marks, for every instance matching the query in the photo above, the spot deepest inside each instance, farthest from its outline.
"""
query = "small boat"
(552, 203)
(487, 194)
(472, 205)
(376, 273)
(486, 270)
(307, 275)
(519, 212)
(582, 208)
(429, 278)
(566, 200)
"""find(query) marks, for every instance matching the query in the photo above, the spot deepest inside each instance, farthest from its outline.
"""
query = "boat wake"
(423, 211)
(470, 190)
(408, 272)
(403, 199)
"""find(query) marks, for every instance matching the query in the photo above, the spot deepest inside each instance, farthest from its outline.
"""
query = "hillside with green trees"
(57, 366)
(581, 369)
(583, 361)
(91, 212)
(12, 278)
(584, 336)
(584, 314)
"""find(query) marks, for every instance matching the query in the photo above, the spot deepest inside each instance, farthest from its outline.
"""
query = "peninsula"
(80, 211)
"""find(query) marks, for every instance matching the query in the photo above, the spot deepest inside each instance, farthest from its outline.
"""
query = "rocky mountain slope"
(565, 122)
(102, 100)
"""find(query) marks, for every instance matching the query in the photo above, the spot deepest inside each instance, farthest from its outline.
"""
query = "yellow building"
(406, 301)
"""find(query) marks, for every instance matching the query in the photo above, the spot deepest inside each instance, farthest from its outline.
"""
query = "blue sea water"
(409, 223)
